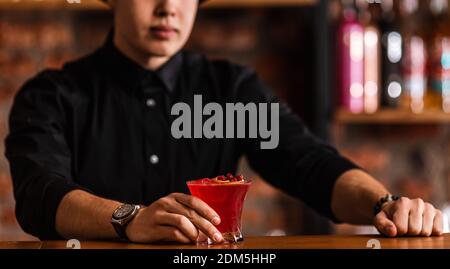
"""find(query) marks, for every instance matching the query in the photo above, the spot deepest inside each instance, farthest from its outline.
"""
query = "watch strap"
(388, 198)
(120, 226)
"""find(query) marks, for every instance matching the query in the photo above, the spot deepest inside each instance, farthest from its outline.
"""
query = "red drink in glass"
(227, 199)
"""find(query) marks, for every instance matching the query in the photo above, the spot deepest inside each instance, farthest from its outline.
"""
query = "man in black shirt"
(94, 139)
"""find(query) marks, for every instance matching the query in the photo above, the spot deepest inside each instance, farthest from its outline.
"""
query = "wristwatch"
(388, 198)
(122, 216)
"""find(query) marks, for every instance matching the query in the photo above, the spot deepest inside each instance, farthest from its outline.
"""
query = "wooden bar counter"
(284, 242)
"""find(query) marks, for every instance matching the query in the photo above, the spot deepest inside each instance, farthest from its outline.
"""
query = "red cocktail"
(226, 196)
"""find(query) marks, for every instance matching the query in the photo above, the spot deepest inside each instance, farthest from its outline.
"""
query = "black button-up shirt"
(102, 124)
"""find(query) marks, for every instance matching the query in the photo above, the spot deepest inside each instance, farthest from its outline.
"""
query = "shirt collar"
(134, 75)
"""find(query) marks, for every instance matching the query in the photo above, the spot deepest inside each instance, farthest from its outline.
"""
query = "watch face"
(123, 211)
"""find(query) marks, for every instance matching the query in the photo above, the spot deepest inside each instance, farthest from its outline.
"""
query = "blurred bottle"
(350, 59)
(446, 218)
(439, 96)
(415, 55)
(392, 53)
(370, 17)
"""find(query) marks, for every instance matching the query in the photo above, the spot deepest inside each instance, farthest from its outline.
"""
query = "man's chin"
(161, 51)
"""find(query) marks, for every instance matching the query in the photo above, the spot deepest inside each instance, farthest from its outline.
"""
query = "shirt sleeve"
(39, 157)
(301, 165)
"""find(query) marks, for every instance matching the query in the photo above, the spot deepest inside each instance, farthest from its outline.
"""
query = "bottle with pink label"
(350, 60)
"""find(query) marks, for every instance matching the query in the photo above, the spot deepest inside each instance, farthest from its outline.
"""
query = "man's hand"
(406, 217)
(175, 218)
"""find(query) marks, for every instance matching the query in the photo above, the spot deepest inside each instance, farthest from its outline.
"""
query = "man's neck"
(149, 62)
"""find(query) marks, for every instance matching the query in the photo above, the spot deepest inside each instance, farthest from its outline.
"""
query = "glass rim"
(192, 182)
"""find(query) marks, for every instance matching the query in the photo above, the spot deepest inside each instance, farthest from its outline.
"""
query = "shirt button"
(150, 102)
(154, 159)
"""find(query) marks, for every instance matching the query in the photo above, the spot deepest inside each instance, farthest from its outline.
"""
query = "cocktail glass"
(227, 199)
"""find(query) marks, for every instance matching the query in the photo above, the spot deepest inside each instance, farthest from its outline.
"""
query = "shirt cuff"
(333, 168)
